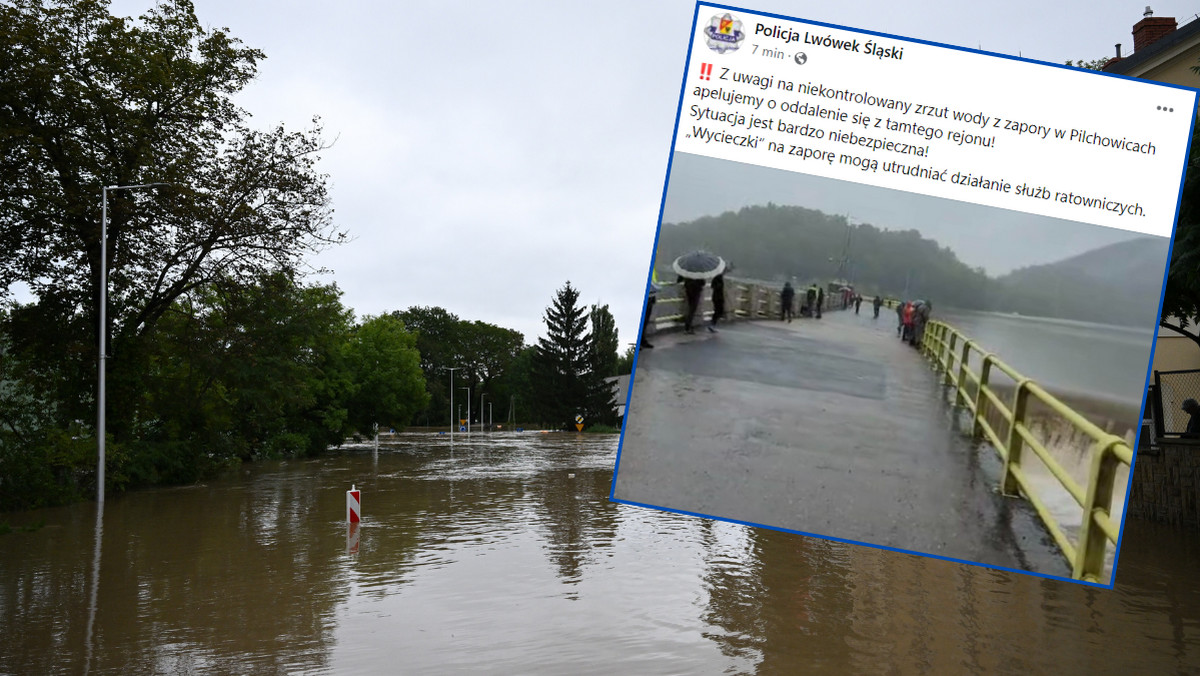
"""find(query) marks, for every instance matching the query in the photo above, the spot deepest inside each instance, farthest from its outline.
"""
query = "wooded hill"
(1115, 284)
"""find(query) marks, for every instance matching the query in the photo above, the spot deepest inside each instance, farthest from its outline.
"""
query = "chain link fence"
(1166, 397)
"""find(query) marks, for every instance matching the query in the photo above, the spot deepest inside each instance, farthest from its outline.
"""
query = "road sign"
(462, 421)
(578, 427)
(462, 429)
(579, 419)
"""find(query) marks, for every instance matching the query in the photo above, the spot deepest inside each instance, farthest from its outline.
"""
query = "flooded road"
(492, 558)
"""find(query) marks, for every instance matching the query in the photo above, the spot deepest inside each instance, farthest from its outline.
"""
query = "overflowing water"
(503, 555)
(1070, 358)
(1098, 370)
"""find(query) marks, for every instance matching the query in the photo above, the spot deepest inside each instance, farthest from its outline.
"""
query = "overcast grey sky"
(488, 152)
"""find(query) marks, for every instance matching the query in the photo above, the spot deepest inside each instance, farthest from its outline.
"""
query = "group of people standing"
(814, 302)
(913, 315)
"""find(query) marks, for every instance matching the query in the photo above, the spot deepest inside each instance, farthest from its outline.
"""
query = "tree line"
(220, 348)
(236, 372)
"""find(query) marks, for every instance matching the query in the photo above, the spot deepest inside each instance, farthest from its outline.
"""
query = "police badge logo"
(724, 34)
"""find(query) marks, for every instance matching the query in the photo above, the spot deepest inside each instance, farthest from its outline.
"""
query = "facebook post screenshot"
(904, 295)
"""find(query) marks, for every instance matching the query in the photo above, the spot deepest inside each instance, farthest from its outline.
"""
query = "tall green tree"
(440, 344)
(481, 352)
(489, 351)
(565, 381)
(389, 387)
(88, 99)
(240, 372)
(625, 363)
(605, 344)
(517, 389)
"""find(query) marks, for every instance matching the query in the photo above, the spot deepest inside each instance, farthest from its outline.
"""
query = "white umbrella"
(698, 265)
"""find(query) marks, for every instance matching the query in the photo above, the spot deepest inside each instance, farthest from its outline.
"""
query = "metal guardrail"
(951, 351)
(744, 299)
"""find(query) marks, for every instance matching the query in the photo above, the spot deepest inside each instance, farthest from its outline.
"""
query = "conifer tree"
(565, 381)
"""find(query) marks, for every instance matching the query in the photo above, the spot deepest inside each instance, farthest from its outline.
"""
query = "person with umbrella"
(693, 270)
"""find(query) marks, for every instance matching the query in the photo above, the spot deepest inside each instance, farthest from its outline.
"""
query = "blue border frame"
(658, 232)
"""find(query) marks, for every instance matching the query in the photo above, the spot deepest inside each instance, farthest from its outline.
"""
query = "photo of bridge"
(1002, 434)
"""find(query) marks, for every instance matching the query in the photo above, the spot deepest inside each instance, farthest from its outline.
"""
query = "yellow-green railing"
(951, 351)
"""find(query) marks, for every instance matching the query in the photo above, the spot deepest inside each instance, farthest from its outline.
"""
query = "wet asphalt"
(829, 427)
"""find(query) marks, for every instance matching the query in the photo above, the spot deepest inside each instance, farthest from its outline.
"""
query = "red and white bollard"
(353, 505)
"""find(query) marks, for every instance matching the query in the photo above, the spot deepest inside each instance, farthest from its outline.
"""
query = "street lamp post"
(481, 396)
(100, 418)
(452, 369)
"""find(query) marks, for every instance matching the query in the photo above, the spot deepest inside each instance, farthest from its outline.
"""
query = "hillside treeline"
(1116, 284)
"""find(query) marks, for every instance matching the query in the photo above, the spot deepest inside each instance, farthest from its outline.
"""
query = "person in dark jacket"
(785, 302)
(1192, 408)
(692, 288)
(877, 302)
(718, 302)
(820, 301)
(921, 312)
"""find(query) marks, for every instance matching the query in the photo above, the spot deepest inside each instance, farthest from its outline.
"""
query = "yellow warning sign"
(578, 427)
(462, 421)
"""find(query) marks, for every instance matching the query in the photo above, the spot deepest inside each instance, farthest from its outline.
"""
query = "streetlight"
(481, 396)
(100, 424)
(452, 369)
(468, 409)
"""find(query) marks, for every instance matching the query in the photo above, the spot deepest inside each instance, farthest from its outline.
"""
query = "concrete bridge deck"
(831, 427)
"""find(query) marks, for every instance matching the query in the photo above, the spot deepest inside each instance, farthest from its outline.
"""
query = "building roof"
(1183, 37)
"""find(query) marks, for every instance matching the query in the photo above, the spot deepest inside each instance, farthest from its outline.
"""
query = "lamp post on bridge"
(100, 403)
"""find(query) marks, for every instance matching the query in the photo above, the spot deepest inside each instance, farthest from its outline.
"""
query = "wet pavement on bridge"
(829, 427)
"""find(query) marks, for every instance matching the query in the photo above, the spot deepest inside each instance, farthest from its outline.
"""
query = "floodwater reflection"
(506, 556)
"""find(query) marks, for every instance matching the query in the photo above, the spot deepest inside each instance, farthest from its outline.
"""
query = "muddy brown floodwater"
(504, 555)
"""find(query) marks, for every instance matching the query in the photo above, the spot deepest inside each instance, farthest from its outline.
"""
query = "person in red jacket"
(909, 311)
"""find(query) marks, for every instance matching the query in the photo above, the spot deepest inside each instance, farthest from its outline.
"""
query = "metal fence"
(951, 351)
(744, 299)
(1170, 390)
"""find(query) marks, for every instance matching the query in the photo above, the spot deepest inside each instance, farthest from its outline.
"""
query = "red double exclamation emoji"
(706, 71)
